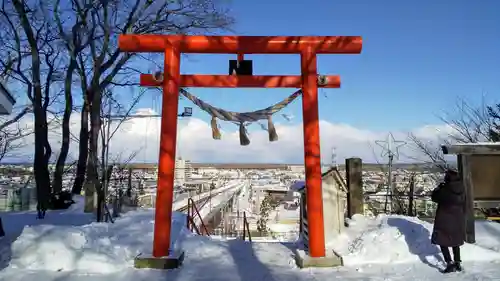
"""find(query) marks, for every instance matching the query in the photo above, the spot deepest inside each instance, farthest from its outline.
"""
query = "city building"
(7, 101)
(183, 170)
(297, 168)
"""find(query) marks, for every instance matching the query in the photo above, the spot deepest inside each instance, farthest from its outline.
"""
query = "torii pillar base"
(331, 259)
(173, 261)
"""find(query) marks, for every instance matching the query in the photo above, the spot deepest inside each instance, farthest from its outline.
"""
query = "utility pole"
(390, 149)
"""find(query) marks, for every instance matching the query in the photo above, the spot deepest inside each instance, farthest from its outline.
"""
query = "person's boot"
(450, 267)
(458, 266)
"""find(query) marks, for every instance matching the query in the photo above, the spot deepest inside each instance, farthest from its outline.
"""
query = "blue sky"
(418, 56)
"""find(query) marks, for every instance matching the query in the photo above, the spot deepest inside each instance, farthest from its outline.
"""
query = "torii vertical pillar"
(312, 154)
(307, 46)
(166, 163)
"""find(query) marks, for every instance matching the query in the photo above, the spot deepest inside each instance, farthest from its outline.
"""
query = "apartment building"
(183, 170)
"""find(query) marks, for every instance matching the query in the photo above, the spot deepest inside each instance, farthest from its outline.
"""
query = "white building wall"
(297, 168)
(188, 170)
(180, 175)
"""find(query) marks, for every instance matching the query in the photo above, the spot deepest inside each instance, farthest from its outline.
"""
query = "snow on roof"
(478, 144)
(6, 92)
(298, 185)
(196, 181)
(484, 148)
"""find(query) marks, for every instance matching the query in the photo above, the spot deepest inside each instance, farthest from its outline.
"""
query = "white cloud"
(433, 131)
(195, 141)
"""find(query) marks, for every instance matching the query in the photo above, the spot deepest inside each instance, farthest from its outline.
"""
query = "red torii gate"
(173, 45)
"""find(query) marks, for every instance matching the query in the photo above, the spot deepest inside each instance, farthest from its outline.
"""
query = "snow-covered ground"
(284, 224)
(65, 246)
(399, 239)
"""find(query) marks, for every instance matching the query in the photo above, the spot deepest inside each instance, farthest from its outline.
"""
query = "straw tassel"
(216, 135)
(244, 140)
(273, 136)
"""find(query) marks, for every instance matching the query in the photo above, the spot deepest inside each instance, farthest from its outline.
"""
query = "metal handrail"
(193, 210)
(246, 228)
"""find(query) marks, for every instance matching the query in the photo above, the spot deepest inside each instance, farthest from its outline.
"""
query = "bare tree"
(494, 130)
(71, 39)
(117, 195)
(467, 123)
(101, 64)
(28, 46)
(114, 113)
(404, 195)
(429, 151)
(399, 197)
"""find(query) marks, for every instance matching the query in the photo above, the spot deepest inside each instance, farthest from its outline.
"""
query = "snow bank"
(488, 235)
(92, 248)
(396, 239)
(282, 227)
(78, 206)
(110, 248)
(284, 232)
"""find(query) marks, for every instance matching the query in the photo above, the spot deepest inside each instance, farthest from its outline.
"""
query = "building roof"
(478, 148)
(333, 171)
(6, 92)
(141, 165)
(298, 185)
(240, 166)
(197, 181)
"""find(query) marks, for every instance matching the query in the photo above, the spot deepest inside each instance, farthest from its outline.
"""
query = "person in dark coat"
(449, 224)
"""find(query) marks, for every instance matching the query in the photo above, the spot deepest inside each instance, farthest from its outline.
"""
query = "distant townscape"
(408, 180)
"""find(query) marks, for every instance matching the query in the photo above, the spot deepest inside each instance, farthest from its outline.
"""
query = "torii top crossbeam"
(242, 44)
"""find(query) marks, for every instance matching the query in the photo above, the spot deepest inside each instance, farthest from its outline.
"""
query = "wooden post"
(354, 174)
(129, 183)
(304, 223)
(244, 225)
(2, 231)
(411, 195)
(300, 221)
(466, 176)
